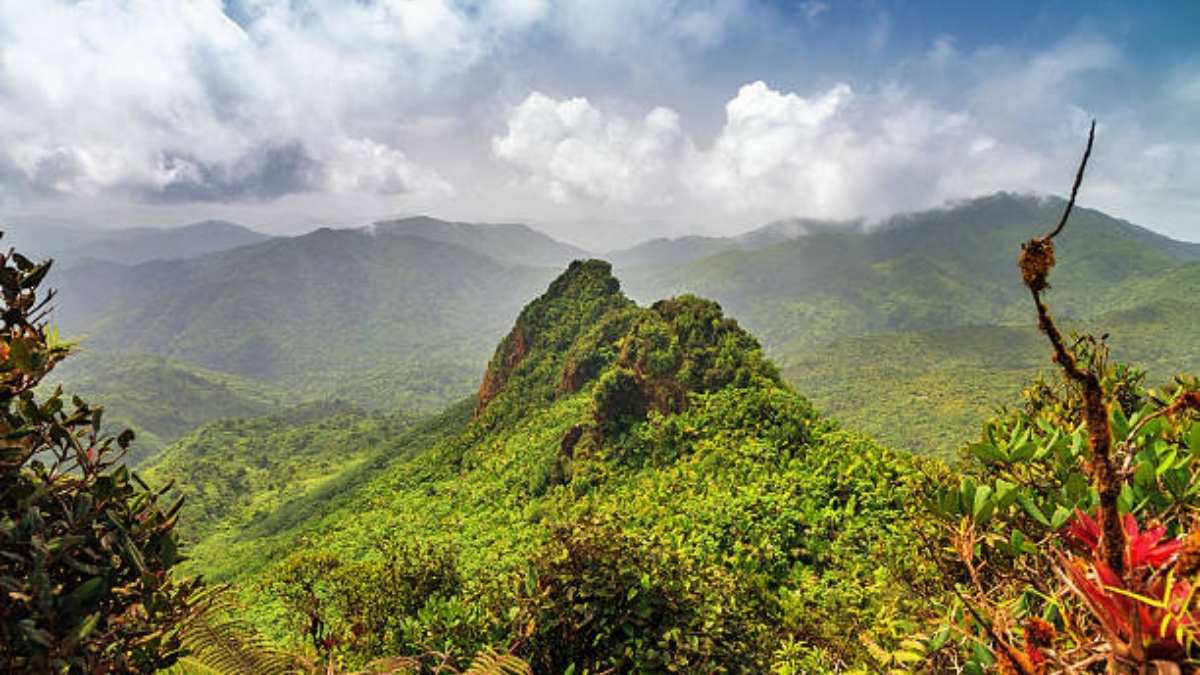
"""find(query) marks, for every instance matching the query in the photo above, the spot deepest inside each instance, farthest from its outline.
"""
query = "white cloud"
(769, 146)
(362, 165)
(575, 151)
(392, 103)
(841, 152)
(813, 9)
(175, 101)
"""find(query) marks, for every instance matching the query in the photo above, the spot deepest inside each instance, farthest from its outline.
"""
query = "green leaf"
(1023, 450)
(1006, 493)
(38, 635)
(1193, 438)
(1144, 474)
(966, 495)
(88, 592)
(1125, 499)
(986, 452)
(88, 625)
(1120, 425)
(938, 640)
(983, 504)
(1060, 517)
(1020, 543)
(1076, 488)
(981, 654)
(1031, 508)
(1166, 463)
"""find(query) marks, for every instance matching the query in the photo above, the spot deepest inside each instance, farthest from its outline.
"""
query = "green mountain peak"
(584, 336)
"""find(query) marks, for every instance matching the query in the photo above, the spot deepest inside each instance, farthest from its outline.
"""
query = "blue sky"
(600, 122)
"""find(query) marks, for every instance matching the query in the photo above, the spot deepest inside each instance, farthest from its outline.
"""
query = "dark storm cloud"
(267, 173)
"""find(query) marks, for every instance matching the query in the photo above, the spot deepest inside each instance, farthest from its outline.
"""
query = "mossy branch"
(1036, 260)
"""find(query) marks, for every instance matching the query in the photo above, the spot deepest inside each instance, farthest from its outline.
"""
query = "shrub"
(85, 549)
(599, 600)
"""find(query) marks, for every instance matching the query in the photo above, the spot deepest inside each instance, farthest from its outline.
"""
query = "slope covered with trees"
(162, 399)
(633, 488)
(311, 313)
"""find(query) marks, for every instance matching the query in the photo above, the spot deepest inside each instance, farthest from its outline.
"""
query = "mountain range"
(70, 243)
(402, 314)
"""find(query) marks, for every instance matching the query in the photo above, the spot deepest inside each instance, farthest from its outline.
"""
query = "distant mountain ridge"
(140, 245)
(313, 312)
(71, 244)
(509, 243)
(402, 314)
(920, 271)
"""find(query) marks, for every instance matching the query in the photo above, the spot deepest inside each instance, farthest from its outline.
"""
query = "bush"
(599, 600)
(362, 608)
(85, 549)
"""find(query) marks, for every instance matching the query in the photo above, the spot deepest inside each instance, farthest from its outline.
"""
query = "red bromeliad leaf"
(1084, 530)
(1146, 548)
(1110, 609)
(1132, 607)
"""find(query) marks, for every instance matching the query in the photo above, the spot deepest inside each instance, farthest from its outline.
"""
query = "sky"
(600, 122)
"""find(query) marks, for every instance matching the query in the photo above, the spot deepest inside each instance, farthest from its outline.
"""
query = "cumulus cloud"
(363, 165)
(254, 99)
(574, 150)
(177, 102)
(831, 154)
(841, 152)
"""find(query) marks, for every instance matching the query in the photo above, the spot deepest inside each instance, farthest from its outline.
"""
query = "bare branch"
(1078, 179)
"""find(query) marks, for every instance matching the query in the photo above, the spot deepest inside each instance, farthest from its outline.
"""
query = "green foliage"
(1024, 482)
(85, 548)
(917, 330)
(927, 391)
(160, 399)
(700, 537)
(362, 608)
(233, 472)
(599, 599)
(491, 662)
(219, 640)
(414, 317)
(857, 318)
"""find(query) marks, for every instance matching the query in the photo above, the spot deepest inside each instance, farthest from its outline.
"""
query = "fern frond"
(491, 662)
(219, 642)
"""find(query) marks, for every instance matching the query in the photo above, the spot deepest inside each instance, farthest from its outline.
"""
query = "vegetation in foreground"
(86, 549)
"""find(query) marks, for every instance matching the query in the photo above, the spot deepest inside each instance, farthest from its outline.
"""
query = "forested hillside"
(648, 453)
(655, 337)
(162, 399)
(312, 313)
